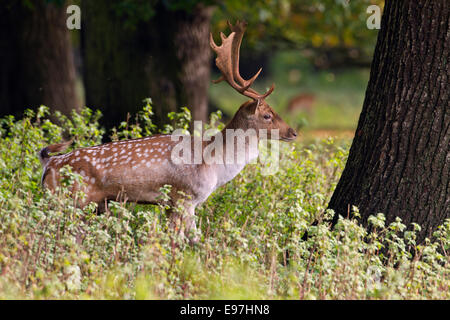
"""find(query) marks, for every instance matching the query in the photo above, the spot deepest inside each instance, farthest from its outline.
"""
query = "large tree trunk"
(36, 58)
(399, 162)
(166, 58)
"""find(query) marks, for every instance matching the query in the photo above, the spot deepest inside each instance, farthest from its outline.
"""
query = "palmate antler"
(228, 62)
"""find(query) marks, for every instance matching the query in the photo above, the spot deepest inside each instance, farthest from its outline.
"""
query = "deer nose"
(292, 132)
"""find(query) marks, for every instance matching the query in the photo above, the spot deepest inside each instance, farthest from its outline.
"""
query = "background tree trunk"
(36, 58)
(399, 162)
(166, 58)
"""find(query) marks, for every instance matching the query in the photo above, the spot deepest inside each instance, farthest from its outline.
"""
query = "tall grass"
(252, 229)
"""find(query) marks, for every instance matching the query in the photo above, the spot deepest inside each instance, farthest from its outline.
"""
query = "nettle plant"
(252, 228)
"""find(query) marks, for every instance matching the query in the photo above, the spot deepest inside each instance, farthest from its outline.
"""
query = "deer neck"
(242, 141)
(239, 147)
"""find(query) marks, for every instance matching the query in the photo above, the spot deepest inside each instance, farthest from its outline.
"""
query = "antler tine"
(232, 55)
(218, 80)
(272, 87)
(239, 28)
(224, 62)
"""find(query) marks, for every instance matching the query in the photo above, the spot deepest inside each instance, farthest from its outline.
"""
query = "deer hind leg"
(49, 179)
(92, 195)
(102, 206)
(185, 221)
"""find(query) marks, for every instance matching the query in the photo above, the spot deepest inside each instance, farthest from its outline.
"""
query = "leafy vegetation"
(252, 229)
(318, 24)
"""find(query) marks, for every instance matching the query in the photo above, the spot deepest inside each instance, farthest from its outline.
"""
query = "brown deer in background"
(301, 103)
(138, 169)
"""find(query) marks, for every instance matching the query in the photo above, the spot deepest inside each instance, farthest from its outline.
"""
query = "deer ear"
(255, 106)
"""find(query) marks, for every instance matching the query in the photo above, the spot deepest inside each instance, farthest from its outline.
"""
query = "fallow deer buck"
(139, 168)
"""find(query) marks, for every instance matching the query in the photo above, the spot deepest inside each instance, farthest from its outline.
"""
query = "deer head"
(255, 114)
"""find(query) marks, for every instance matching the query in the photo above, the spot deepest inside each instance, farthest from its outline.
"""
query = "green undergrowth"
(251, 244)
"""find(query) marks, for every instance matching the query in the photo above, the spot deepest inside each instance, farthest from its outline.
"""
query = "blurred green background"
(318, 54)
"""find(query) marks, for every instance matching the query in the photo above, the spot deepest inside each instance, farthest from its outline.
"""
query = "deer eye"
(267, 116)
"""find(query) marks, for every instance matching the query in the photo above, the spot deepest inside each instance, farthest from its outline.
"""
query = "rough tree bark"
(399, 162)
(36, 58)
(166, 58)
